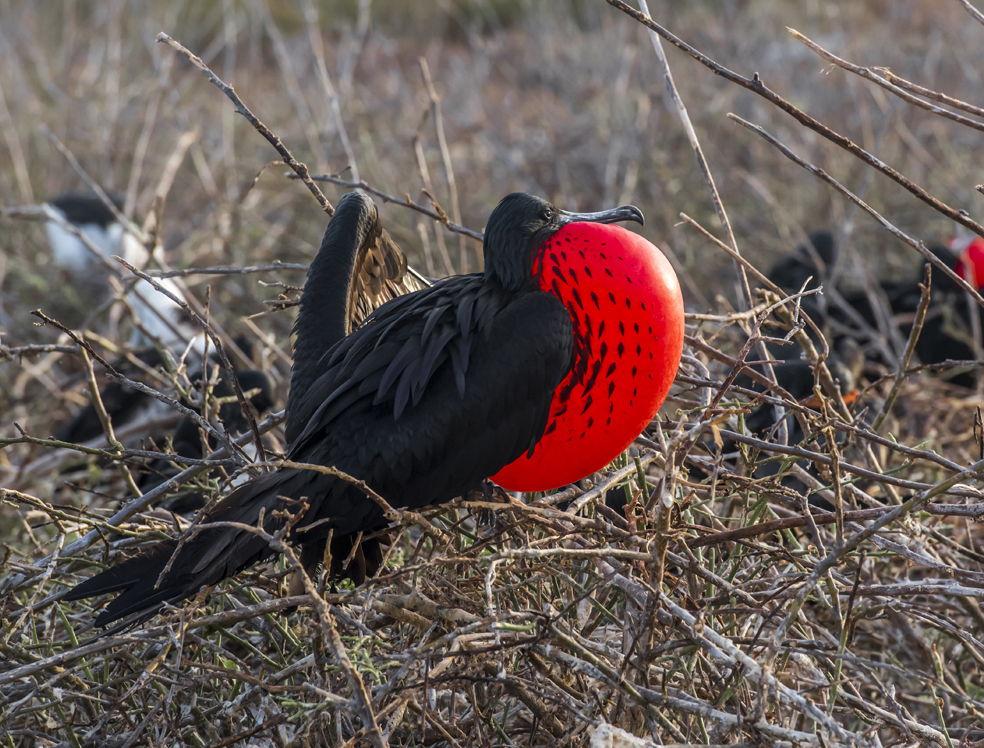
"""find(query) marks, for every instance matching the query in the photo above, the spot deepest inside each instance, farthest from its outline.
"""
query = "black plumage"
(805, 269)
(122, 403)
(438, 390)
(125, 405)
(947, 333)
(87, 209)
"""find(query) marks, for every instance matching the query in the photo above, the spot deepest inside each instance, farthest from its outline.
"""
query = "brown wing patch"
(381, 274)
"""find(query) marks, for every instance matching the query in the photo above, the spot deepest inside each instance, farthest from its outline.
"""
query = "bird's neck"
(322, 319)
(516, 268)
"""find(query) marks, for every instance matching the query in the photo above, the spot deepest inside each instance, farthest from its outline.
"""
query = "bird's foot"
(493, 494)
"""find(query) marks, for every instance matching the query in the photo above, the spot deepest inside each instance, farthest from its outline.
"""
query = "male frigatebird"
(359, 266)
(446, 386)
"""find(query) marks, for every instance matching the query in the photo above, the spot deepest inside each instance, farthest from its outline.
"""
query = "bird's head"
(519, 226)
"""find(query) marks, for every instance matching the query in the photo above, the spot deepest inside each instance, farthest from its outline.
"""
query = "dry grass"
(693, 621)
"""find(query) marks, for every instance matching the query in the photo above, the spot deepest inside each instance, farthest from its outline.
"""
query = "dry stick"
(825, 518)
(155, 217)
(978, 16)
(817, 360)
(428, 189)
(105, 420)
(910, 348)
(755, 84)
(292, 84)
(30, 350)
(705, 170)
(122, 454)
(720, 648)
(405, 202)
(317, 46)
(446, 156)
(929, 93)
(599, 490)
(269, 724)
(868, 75)
(16, 152)
(822, 459)
(226, 363)
(300, 169)
(667, 489)
(140, 150)
(227, 270)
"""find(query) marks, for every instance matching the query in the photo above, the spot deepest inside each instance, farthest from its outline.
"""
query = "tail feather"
(122, 576)
(208, 558)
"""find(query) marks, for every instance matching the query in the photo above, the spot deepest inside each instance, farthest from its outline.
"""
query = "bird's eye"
(546, 214)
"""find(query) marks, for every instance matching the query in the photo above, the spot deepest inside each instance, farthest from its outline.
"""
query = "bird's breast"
(627, 312)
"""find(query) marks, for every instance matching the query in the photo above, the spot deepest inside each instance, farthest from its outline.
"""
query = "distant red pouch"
(970, 266)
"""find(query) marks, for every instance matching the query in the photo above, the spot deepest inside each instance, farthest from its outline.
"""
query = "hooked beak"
(615, 215)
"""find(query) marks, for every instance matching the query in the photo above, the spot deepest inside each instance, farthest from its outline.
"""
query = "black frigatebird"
(444, 387)
(948, 332)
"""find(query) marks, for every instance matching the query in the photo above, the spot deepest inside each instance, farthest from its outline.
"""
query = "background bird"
(161, 328)
(158, 319)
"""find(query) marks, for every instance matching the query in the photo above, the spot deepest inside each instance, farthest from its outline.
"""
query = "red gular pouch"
(970, 266)
(625, 303)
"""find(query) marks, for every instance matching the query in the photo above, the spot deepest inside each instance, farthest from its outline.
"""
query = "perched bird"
(438, 390)
(159, 321)
(948, 330)
(805, 269)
